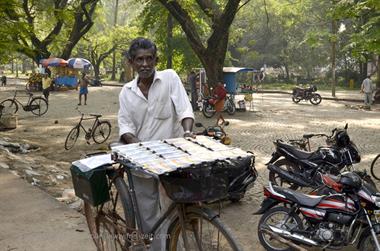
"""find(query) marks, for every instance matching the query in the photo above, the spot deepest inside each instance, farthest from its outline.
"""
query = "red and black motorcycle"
(348, 215)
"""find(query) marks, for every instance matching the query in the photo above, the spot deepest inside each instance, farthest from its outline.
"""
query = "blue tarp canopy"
(229, 77)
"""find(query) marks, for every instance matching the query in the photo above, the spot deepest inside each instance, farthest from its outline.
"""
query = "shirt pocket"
(162, 109)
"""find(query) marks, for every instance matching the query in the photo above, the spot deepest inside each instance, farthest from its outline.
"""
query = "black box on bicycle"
(90, 185)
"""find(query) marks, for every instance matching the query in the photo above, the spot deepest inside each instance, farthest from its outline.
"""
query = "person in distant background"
(192, 79)
(46, 85)
(83, 88)
(219, 94)
(367, 89)
(3, 80)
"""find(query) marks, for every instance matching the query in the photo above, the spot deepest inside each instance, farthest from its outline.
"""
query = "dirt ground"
(274, 116)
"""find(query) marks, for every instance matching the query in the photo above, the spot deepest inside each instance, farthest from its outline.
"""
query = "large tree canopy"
(41, 28)
(210, 44)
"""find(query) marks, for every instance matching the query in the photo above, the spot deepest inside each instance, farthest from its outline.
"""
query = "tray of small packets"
(190, 169)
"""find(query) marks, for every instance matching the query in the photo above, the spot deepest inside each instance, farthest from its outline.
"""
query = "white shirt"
(159, 116)
(367, 85)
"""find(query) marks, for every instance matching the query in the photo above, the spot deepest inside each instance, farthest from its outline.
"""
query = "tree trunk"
(378, 71)
(169, 39)
(97, 70)
(287, 72)
(333, 56)
(13, 66)
(113, 77)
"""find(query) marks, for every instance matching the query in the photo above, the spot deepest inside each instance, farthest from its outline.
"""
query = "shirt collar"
(157, 75)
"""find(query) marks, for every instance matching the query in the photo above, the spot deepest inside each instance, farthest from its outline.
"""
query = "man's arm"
(187, 124)
(127, 128)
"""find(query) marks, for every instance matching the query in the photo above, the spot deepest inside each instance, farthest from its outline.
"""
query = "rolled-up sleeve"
(180, 99)
(125, 122)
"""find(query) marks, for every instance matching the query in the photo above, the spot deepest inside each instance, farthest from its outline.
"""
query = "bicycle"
(99, 132)
(37, 105)
(375, 167)
(116, 224)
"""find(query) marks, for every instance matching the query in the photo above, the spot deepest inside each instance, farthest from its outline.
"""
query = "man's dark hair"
(140, 43)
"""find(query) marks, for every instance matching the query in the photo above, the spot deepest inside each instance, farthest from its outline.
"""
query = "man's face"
(144, 62)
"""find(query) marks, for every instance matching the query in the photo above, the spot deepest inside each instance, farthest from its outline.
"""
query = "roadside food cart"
(66, 73)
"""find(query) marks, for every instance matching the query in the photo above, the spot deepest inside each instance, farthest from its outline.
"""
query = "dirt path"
(274, 116)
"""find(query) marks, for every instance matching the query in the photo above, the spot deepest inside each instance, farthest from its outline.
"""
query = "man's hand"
(189, 134)
(129, 138)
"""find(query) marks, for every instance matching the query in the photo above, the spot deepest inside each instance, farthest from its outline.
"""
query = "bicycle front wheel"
(109, 222)
(101, 132)
(72, 138)
(203, 233)
(10, 106)
(375, 167)
(39, 106)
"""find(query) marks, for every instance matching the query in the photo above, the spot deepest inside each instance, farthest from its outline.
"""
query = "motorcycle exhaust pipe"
(287, 176)
(294, 236)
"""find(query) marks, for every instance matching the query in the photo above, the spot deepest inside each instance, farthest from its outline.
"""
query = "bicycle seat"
(95, 115)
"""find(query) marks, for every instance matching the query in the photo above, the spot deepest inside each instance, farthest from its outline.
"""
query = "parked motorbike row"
(341, 208)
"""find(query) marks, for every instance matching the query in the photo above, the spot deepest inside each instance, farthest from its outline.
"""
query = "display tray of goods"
(190, 170)
(34, 82)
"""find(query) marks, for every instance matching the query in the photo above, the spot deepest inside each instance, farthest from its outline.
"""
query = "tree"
(219, 18)
(39, 29)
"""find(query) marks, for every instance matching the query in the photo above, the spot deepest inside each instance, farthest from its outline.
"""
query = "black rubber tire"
(10, 106)
(231, 108)
(208, 110)
(286, 165)
(122, 215)
(316, 99)
(261, 224)
(296, 99)
(196, 216)
(72, 138)
(363, 240)
(42, 104)
(103, 128)
(375, 167)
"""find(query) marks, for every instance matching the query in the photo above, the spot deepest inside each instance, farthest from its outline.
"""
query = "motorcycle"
(245, 172)
(345, 217)
(298, 168)
(306, 94)
(208, 108)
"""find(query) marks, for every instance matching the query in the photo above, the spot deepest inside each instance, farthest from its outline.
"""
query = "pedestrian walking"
(46, 85)
(3, 80)
(367, 89)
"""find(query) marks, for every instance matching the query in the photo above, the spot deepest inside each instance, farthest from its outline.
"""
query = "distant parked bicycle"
(375, 167)
(99, 132)
(37, 105)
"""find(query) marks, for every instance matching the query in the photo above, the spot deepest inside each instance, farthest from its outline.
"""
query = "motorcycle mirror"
(346, 126)
(198, 124)
(226, 123)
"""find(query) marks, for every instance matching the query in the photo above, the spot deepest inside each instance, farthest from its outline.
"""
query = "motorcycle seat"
(299, 198)
(300, 154)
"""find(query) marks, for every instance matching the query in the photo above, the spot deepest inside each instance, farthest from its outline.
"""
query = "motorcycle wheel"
(231, 108)
(275, 179)
(296, 99)
(366, 241)
(316, 99)
(208, 111)
(277, 217)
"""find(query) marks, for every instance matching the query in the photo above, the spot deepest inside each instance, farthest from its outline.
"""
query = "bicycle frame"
(90, 118)
(126, 168)
(30, 96)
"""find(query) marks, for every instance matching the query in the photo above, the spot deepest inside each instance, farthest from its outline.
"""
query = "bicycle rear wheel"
(10, 106)
(203, 233)
(375, 167)
(109, 222)
(39, 106)
(72, 138)
(101, 132)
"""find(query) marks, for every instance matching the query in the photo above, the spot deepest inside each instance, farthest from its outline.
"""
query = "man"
(46, 83)
(367, 89)
(83, 89)
(153, 106)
